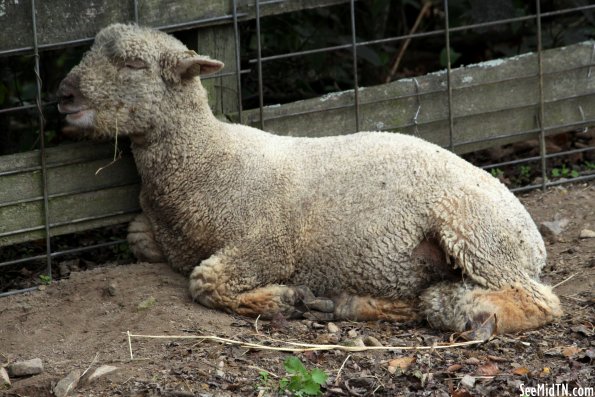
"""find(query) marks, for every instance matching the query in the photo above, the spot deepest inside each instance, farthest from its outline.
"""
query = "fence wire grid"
(353, 45)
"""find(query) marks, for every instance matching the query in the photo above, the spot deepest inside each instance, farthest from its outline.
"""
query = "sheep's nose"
(68, 89)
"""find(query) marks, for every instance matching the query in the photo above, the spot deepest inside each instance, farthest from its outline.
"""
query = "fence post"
(218, 42)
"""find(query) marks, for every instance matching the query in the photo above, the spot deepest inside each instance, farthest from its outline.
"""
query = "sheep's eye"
(135, 64)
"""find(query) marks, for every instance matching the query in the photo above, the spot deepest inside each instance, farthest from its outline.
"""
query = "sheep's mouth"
(81, 116)
(75, 114)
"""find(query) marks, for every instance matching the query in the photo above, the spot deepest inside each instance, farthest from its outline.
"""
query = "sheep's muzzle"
(71, 101)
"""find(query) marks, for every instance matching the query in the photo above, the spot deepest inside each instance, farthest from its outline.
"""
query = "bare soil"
(82, 321)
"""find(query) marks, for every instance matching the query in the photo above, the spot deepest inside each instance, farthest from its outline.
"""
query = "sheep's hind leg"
(483, 312)
(218, 284)
(500, 254)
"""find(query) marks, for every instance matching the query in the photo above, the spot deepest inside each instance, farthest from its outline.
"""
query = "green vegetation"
(299, 380)
(45, 279)
(496, 172)
(564, 172)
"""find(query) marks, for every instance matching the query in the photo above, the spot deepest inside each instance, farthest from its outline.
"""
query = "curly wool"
(380, 215)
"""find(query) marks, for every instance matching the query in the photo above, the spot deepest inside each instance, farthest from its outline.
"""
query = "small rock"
(332, 328)
(352, 333)
(586, 233)
(371, 341)
(67, 384)
(4, 379)
(99, 372)
(327, 339)
(554, 228)
(25, 368)
(468, 381)
(357, 342)
(112, 289)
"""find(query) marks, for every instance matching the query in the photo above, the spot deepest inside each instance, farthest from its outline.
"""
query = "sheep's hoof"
(319, 316)
(482, 327)
(312, 307)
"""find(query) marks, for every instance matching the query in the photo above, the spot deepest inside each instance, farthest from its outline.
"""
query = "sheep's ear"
(196, 65)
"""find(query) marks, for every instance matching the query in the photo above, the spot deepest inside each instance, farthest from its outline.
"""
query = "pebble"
(468, 381)
(4, 379)
(112, 289)
(67, 384)
(358, 342)
(371, 341)
(586, 233)
(352, 333)
(332, 328)
(25, 368)
(327, 339)
(553, 228)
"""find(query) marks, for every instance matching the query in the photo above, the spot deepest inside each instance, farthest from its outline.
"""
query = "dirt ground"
(81, 322)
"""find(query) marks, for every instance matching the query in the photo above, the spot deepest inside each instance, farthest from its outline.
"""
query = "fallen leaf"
(461, 393)
(472, 361)
(521, 371)
(570, 351)
(402, 362)
(147, 303)
(488, 369)
(454, 368)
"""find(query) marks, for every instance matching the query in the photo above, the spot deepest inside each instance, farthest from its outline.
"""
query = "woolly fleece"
(364, 226)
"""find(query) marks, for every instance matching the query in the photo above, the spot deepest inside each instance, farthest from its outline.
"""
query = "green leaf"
(293, 365)
(264, 375)
(311, 388)
(295, 383)
(319, 376)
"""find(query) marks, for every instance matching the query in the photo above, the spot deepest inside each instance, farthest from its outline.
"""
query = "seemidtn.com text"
(556, 390)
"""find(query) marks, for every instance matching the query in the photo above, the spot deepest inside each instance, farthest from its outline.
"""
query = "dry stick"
(90, 365)
(564, 281)
(307, 347)
(256, 324)
(341, 369)
(116, 158)
(130, 344)
(403, 48)
(574, 299)
(264, 370)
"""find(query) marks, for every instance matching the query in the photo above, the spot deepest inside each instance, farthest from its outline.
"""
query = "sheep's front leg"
(141, 239)
(220, 282)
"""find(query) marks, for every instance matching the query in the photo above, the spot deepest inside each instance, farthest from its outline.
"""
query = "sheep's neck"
(189, 147)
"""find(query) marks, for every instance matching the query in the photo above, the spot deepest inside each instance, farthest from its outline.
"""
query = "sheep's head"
(130, 81)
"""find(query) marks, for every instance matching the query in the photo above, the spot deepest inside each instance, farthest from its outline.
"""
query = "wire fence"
(235, 18)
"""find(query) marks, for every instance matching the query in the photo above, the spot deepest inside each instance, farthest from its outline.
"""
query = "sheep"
(367, 226)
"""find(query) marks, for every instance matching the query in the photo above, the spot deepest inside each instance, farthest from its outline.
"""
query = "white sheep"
(360, 227)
